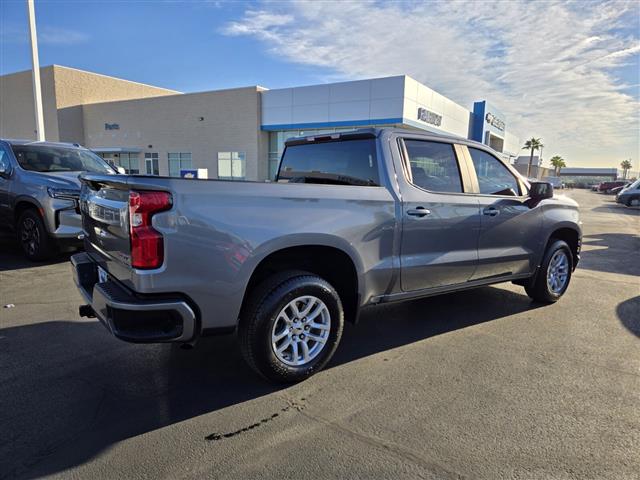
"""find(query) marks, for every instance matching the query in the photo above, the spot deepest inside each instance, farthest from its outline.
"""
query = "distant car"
(617, 190)
(630, 195)
(555, 181)
(39, 192)
(606, 187)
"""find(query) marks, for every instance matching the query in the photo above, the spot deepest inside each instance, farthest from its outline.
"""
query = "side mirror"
(540, 191)
(4, 169)
(121, 170)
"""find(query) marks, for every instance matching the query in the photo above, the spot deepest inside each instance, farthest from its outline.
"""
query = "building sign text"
(495, 121)
(429, 117)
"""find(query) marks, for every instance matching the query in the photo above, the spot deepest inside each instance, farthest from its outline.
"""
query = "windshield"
(40, 158)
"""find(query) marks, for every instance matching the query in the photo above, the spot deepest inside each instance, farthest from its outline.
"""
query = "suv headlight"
(64, 193)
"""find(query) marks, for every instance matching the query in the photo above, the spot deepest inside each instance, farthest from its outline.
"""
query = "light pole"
(35, 73)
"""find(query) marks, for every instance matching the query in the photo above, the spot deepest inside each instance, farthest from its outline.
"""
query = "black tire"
(261, 312)
(33, 237)
(539, 290)
(630, 199)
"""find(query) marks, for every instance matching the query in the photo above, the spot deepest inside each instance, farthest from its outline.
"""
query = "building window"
(128, 161)
(177, 162)
(231, 165)
(151, 163)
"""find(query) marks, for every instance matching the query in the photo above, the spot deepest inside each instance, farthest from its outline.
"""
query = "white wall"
(391, 100)
(358, 101)
(455, 118)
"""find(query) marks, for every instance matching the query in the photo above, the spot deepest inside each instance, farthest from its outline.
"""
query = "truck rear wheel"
(291, 326)
(554, 274)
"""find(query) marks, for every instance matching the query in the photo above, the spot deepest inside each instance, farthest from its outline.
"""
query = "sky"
(567, 72)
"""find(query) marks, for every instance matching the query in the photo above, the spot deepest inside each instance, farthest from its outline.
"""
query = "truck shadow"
(69, 391)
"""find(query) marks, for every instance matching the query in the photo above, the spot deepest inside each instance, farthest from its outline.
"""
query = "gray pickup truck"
(354, 219)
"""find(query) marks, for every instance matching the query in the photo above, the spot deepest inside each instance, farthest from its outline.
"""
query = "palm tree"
(558, 163)
(533, 144)
(626, 166)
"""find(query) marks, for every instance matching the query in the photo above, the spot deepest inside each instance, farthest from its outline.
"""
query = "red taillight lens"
(147, 247)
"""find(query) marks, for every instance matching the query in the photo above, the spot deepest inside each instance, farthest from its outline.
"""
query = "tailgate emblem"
(110, 216)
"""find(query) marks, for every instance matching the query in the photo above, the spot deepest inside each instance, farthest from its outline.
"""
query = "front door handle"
(491, 211)
(419, 212)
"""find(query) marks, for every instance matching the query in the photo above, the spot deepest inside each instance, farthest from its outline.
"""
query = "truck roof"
(376, 132)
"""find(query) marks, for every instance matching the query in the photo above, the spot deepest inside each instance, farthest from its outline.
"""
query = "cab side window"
(434, 166)
(493, 176)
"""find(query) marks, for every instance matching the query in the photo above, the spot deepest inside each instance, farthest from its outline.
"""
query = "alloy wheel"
(558, 271)
(301, 331)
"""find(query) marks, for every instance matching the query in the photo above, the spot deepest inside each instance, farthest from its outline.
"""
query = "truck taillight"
(147, 248)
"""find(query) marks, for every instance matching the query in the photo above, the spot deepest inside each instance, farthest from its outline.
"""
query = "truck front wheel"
(554, 274)
(33, 236)
(291, 326)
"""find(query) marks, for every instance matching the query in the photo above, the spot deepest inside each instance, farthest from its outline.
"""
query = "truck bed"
(216, 232)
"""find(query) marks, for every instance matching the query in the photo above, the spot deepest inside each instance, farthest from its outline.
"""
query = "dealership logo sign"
(495, 121)
(429, 117)
(111, 126)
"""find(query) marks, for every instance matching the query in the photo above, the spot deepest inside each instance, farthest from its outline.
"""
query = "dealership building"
(236, 133)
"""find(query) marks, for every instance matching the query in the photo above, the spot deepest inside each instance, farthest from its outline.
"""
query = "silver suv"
(39, 190)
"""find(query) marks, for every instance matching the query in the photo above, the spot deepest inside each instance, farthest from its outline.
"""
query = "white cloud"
(547, 65)
(61, 36)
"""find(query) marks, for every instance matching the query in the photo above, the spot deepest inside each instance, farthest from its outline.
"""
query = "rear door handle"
(491, 211)
(419, 212)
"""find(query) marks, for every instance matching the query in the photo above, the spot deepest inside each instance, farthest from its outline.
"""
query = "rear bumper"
(130, 316)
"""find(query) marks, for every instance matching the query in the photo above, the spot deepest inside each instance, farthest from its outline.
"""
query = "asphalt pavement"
(479, 384)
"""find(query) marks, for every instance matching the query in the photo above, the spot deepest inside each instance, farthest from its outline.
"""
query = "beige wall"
(64, 91)
(17, 118)
(231, 122)
(74, 88)
(77, 87)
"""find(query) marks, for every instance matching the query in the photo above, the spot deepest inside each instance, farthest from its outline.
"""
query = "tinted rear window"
(346, 162)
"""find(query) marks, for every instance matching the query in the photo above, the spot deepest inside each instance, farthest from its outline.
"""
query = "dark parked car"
(630, 195)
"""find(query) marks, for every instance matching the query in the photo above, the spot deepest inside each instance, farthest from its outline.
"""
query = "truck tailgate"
(104, 204)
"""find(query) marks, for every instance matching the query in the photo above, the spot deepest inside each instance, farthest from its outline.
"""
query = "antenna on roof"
(35, 72)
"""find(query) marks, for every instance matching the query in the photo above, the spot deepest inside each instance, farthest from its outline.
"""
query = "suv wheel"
(33, 237)
(291, 326)
(554, 274)
(633, 202)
